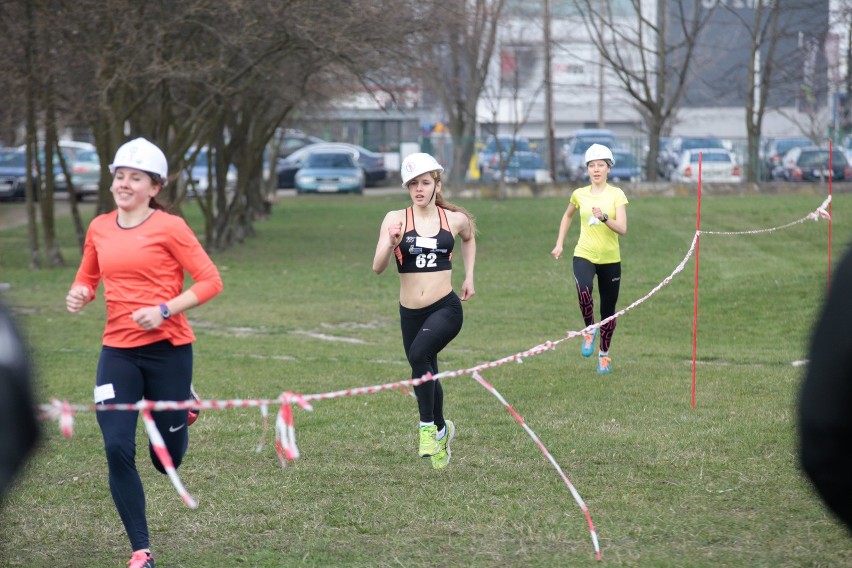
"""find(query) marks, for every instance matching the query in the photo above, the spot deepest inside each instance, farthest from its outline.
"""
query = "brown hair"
(157, 180)
(439, 201)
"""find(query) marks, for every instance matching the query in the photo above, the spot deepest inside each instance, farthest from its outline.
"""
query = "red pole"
(830, 177)
(695, 283)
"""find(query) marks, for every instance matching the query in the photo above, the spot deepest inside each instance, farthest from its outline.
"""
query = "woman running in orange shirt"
(140, 252)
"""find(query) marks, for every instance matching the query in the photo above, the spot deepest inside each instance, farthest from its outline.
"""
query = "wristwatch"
(605, 218)
(164, 311)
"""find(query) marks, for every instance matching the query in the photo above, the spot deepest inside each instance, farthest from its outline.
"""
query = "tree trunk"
(73, 200)
(32, 142)
(48, 202)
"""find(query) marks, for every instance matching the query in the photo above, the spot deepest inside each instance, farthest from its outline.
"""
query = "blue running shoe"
(604, 364)
(588, 343)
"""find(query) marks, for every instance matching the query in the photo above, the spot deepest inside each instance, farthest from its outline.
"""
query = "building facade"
(586, 93)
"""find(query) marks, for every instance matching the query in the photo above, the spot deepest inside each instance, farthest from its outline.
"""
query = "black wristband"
(605, 218)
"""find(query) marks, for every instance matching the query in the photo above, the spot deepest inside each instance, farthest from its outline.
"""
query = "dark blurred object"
(18, 424)
(825, 402)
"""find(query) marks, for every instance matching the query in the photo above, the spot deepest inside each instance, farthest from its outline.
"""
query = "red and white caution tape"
(819, 212)
(547, 454)
(163, 455)
(63, 413)
(285, 433)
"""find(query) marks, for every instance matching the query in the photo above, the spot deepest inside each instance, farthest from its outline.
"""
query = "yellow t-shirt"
(597, 243)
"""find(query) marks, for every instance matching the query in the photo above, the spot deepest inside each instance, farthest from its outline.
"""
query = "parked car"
(670, 159)
(73, 148)
(777, 147)
(521, 167)
(717, 165)
(330, 172)
(495, 148)
(294, 140)
(69, 147)
(13, 174)
(86, 173)
(573, 151)
(372, 163)
(810, 163)
(198, 171)
(626, 168)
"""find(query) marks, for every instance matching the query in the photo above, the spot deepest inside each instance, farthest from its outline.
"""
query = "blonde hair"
(439, 201)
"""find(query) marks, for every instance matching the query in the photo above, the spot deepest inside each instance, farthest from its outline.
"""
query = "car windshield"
(13, 160)
(583, 143)
(527, 161)
(88, 156)
(625, 160)
(784, 146)
(691, 143)
(330, 161)
(521, 145)
(820, 158)
(709, 157)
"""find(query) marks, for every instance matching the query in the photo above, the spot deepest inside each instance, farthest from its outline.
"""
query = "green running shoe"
(442, 458)
(429, 446)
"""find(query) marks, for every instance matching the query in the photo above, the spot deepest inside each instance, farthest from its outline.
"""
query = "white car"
(717, 165)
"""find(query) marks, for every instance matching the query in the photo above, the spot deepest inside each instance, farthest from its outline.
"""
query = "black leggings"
(609, 279)
(159, 371)
(425, 332)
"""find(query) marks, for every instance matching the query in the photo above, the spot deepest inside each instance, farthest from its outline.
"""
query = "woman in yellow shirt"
(603, 218)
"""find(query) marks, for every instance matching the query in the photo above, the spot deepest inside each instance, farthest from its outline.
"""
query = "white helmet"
(599, 152)
(141, 155)
(416, 164)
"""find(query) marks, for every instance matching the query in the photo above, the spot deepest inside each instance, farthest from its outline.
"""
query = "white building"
(587, 94)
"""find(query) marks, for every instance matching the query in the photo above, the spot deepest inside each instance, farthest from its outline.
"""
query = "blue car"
(522, 167)
(372, 163)
(330, 172)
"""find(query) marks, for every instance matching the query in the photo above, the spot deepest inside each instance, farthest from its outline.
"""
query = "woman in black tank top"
(420, 240)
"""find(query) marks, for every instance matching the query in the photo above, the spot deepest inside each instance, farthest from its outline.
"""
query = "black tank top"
(416, 253)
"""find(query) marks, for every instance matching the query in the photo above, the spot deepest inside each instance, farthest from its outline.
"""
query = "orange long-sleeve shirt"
(144, 266)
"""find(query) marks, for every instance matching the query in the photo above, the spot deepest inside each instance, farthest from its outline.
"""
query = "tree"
(511, 96)
(222, 74)
(650, 50)
(763, 34)
(453, 60)
(771, 73)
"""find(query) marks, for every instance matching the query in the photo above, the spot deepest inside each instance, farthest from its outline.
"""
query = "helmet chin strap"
(434, 191)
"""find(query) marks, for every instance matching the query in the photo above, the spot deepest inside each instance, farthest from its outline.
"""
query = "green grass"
(666, 484)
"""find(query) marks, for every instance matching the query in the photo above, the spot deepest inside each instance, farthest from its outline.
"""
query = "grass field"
(666, 484)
